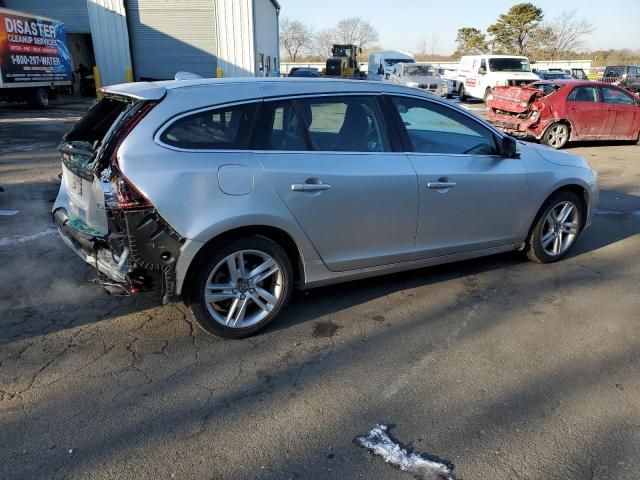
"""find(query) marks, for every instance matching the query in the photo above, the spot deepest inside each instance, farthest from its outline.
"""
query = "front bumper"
(518, 127)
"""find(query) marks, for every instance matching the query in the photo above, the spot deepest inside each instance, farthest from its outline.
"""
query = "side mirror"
(509, 147)
(380, 70)
(482, 70)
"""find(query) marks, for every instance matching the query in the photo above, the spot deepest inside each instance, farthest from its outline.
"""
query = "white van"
(478, 74)
(381, 63)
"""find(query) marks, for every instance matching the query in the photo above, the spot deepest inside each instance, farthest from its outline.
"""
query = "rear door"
(590, 118)
(81, 193)
(626, 112)
(331, 161)
(470, 198)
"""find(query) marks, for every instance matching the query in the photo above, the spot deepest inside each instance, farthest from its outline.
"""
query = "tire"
(239, 298)
(556, 135)
(461, 94)
(39, 98)
(538, 237)
(638, 140)
(487, 92)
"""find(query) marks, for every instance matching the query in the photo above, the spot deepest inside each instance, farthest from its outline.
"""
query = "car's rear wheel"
(557, 135)
(461, 93)
(557, 228)
(240, 287)
(487, 92)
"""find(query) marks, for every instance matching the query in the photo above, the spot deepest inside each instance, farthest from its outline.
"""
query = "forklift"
(343, 63)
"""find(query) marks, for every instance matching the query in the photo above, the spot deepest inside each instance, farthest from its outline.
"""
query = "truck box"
(34, 56)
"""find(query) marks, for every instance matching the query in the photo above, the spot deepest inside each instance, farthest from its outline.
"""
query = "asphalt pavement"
(505, 368)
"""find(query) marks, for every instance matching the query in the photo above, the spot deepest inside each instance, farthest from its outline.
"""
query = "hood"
(513, 99)
(422, 79)
(514, 76)
(554, 156)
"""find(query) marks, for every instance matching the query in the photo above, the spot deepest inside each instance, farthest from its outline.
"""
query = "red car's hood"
(513, 99)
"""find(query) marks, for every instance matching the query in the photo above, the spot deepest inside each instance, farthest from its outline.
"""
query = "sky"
(402, 24)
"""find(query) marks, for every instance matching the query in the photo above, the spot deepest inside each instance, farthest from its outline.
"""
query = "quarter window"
(344, 124)
(434, 128)
(279, 128)
(583, 94)
(221, 129)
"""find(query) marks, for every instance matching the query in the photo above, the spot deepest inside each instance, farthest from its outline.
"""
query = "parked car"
(627, 76)
(305, 72)
(451, 76)
(419, 75)
(478, 74)
(380, 64)
(230, 193)
(548, 75)
(560, 111)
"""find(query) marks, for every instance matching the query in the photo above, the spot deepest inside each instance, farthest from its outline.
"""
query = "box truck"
(35, 63)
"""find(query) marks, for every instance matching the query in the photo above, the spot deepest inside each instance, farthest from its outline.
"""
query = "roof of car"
(294, 85)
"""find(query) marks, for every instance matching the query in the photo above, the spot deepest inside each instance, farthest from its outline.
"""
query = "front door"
(625, 108)
(330, 161)
(470, 198)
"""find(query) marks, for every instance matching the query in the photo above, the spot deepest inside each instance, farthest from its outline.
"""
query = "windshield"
(547, 88)
(514, 64)
(555, 76)
(392, 61)
(614, 71)
(418, 71)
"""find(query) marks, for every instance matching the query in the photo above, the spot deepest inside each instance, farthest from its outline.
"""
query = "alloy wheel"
(243, 288)
(560, 228)
(558, 135)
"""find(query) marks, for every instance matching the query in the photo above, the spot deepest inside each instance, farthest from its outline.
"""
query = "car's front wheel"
(240, 286)
(557, 228)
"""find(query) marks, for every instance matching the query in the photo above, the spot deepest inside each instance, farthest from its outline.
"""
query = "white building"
(154, 39)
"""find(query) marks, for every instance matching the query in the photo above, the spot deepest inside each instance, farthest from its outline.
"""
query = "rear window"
(614, 71)
(227, 128)
(95, 124)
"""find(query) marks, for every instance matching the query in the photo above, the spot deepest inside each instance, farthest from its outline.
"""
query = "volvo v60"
(228, 194)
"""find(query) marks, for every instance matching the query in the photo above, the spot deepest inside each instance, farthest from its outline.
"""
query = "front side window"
(583, 94)
(616, 96)
(433, 128)
(225, 128)
(279, 128)
(344, 124)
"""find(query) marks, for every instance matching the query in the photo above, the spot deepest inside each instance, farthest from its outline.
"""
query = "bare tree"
(323, 41)
(422, 49)
(295, 37)
(357, 31)
(563, 35)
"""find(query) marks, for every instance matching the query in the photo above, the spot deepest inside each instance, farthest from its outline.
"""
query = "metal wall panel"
(72, 12)
(170, 36)
(266, 35)
(236, 53)
(110, 39)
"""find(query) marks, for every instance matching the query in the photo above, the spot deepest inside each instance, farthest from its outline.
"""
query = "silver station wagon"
(229, 194)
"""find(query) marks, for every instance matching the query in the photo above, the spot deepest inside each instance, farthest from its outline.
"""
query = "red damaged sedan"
(558, 111)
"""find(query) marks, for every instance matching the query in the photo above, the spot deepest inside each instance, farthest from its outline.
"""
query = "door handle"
(309, 187)
(441, 185)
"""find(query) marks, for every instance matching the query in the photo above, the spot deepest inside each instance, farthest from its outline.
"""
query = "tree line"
(522, 30)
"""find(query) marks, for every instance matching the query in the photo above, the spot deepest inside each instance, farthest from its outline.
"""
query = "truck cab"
(478, 74)
(381, 63)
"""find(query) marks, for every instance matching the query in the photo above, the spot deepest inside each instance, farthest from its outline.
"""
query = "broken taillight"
(120, 192)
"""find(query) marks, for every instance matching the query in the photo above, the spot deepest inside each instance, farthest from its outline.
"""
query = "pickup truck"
(35, 63)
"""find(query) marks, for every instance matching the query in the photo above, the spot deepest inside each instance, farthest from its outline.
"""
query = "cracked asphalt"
(506, 368)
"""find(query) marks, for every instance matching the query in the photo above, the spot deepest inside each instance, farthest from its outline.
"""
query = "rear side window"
(227, 128)
(344, 124)
(279, 128)
(583, 94)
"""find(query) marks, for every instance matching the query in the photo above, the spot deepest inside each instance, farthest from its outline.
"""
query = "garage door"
(167, 37)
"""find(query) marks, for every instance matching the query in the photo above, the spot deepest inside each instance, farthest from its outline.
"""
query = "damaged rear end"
(519, 111)
(100, 213)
